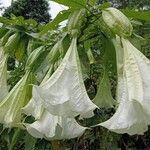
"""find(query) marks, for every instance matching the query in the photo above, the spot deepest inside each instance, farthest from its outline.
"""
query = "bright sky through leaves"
(55, 8)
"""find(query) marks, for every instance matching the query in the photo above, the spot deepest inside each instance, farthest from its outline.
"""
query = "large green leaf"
(141, 15)
(63, 15)
(74, 4)
(92, 2)
(5, 20)
(105, 5)
(29, 142)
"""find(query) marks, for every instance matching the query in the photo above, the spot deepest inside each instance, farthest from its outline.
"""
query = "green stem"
(14, 139)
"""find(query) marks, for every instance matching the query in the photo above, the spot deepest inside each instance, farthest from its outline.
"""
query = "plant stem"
(14, 139)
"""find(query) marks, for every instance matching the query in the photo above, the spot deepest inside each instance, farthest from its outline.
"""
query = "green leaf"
(29, 142)
(5, 20)
(105, 5)
(87, 47)
(76, 20)
(21, 49)
(74, 4)
(63, 15)
(12, 43)
(31, 61)
(14, 138)
(92, 2)
(104, 97)
(141, 15)
(3, 31)
(5, 38)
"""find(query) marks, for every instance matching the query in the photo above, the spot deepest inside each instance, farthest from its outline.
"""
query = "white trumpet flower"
(10, 107)
(140, 81)
(55, 127)
(132, 115)
(49, 126)
(3, 75)
(64, 93)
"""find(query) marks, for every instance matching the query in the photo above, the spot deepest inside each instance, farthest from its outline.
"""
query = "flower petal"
(44, 127)
(143, 65)
(55, 127)
(129, 118)
(64, 93)
(10, 107)
(3, 75)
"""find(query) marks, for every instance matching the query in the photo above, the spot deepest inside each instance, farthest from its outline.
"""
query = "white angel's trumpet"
(10, 107)
(47, 125)
(129, 117)
(139, 77)
(64, 93)
(132, 115)
(3, 75)
(55, 127)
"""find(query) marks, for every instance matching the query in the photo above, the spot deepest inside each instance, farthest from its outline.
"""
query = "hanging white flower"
(55, 127)
(47, 125)
(133, 94)
(10, 107)
(3, 75)
(129, 118)
(64, 93)
(141, 79)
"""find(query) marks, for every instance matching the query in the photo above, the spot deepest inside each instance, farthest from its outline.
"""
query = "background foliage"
(35, 9)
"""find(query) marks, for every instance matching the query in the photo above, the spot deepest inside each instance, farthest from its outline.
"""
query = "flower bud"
(117, 22)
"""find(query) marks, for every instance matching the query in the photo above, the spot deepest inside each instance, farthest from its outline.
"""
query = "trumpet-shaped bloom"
(3, 75)
(10, 107)
(132, 115)
(55, 127)
(139, 78)
(129, 118)
(47, 125)
(64, 93)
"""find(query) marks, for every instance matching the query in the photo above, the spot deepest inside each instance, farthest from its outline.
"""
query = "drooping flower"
(49, 126)
(64, 93)
(141, 80)
(55, 127)
(132, 114)
(129, 118)
(3, 75)
(10, 106)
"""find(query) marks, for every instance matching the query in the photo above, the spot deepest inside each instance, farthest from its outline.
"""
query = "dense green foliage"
(142, 4)
(38, 10)
(93, 45)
